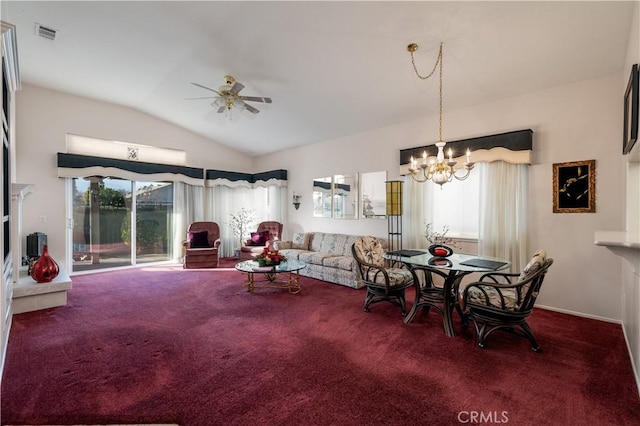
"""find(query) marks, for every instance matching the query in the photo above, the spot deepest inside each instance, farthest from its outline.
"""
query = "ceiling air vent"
(46, 32)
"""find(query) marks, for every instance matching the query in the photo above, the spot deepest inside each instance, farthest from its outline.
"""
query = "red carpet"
(165, 345)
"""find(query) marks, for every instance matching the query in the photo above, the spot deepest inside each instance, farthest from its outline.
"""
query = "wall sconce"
(296, 200)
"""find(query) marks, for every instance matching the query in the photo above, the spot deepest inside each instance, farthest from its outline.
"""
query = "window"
(456, 205)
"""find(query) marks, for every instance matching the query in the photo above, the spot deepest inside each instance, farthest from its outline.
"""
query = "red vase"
(45, 269)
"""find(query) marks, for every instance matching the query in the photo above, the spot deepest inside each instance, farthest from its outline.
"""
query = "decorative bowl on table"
(440, 250)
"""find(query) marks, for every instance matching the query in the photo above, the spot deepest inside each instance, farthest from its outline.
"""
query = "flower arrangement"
(439, 238)
(270, 257)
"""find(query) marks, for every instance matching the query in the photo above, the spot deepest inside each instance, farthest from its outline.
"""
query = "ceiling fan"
(229, 98)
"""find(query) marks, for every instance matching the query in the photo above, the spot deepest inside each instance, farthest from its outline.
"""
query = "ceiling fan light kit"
(229, 98)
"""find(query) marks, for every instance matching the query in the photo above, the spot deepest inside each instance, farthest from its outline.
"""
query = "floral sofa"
(328, 256)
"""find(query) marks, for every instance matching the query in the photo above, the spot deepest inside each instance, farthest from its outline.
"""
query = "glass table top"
(251, 266)
(457, 261)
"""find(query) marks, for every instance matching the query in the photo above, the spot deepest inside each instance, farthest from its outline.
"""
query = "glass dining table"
(453, 268)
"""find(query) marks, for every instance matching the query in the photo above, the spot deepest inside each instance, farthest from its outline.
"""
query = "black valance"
(515, 147)
(79, 166)
(233, 179)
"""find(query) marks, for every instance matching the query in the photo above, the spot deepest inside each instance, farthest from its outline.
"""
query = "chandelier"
(437, 170)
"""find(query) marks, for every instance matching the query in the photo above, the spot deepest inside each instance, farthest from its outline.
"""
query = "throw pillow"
(300, 241)
(537, 261)
(259, 238)
(198, 239)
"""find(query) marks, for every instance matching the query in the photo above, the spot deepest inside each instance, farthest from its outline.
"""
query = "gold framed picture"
(574, 187)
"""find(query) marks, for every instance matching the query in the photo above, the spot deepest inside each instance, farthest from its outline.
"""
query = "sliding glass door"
(154, 224)
(107, 212)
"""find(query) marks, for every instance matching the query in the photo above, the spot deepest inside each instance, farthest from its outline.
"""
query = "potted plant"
(241, 223)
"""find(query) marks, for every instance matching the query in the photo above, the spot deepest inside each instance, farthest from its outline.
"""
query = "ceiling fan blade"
(205, 87)
(221, 109)
(256, 99)
(202, 97)
(251, 109)
(236, 88)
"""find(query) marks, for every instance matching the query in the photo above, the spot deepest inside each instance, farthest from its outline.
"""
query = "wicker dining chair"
(382, 283)
(504, 301)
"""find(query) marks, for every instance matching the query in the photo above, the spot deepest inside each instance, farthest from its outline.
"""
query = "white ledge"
(29, 295)
(622, 244)
(616, 238)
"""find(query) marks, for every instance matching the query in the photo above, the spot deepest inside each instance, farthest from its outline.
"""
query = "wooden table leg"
(451, 286)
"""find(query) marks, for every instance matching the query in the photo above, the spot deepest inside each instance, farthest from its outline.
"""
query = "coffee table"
(290, 267)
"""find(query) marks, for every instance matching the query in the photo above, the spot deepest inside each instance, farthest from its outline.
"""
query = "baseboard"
(636, 373)
(579, 314)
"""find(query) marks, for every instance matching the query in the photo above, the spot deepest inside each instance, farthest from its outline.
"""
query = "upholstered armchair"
(503, 301)
(382, 283)
(266, 233)
(202, 245)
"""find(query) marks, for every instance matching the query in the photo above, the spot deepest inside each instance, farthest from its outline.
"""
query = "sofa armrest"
(284, 245)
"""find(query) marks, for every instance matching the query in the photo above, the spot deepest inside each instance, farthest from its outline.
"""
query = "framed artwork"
(630, 130)
(574, 187)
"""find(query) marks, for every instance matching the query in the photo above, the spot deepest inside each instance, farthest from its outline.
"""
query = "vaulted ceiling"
(331, 68)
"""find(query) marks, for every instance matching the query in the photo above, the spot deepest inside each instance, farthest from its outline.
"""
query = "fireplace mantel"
(622, 244)
(18, 192)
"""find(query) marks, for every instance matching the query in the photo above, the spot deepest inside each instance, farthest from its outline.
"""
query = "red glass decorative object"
(440, 250)
(45, 269)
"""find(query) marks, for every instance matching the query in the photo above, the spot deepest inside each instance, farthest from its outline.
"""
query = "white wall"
(44, 117)
(631, 280)
(580, 121)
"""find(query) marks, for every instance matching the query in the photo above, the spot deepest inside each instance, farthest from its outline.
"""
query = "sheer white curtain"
(267, 203)
(417, 211)
(503, 212)
(491, 204)
(223, 201)
(455, 205)
(270, 203)
(188, 207)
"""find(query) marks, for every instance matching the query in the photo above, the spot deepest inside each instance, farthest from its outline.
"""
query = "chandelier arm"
(417, 179)
(464, 176)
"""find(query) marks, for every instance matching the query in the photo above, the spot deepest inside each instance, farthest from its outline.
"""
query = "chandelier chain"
(415, 68)
(440, 125)
(425, 77)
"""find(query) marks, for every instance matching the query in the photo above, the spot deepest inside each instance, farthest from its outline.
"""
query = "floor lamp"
(394, 213)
